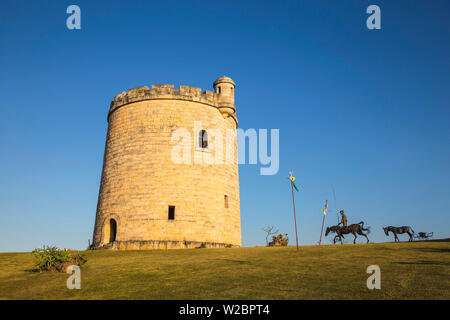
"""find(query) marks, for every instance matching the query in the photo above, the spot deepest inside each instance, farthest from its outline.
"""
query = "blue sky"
(365, 111)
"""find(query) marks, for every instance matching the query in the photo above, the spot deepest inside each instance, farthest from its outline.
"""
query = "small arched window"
(203, 139)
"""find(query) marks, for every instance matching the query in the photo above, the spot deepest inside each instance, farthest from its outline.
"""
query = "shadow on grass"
(434, 240)
(435, 250)
(34, 270)
(235, 261)
(425, 263)
(416, 241)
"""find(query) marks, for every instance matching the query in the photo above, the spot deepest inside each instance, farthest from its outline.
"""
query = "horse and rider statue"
(355, 229)
(358, 228)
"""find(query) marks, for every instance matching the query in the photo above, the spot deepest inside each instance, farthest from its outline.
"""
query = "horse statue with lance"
(357, 228)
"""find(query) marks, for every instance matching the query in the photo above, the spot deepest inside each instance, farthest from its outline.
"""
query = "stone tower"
(170, 174)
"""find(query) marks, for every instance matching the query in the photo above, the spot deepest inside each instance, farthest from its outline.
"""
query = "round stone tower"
(170, 173)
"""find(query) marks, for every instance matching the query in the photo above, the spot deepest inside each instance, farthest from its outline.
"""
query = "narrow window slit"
(171, 212)
(203, 139)
(225, 198)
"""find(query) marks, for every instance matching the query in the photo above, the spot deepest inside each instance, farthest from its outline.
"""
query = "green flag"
(293, 183)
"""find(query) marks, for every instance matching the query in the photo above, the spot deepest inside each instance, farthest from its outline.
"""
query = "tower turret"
(224, 87)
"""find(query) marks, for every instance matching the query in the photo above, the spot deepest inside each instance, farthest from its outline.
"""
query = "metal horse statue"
(354, 229)
(399, 230)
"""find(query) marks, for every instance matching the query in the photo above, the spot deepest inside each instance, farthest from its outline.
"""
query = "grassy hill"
(418, 270)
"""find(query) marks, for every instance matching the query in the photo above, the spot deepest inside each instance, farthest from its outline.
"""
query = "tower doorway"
(112, 230)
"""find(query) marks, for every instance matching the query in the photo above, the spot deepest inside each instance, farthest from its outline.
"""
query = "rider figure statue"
(344, 219)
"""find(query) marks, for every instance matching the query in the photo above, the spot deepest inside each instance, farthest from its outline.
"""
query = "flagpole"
(323, 222)
(295, 218)
(321, 231)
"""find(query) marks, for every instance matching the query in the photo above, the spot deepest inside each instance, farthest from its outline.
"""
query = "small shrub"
(279, 241)
(51, 258)
(203, 245)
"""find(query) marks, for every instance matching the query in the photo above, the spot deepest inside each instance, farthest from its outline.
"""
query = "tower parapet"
(222, 98)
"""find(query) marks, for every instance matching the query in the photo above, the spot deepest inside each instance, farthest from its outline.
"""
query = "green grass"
(418, 270)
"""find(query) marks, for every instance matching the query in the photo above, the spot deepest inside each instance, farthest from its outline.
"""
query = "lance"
(335, 205)
(293, 203)
(323, 222)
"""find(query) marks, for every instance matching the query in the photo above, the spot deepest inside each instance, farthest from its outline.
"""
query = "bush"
(279, 241)
(51, 258)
